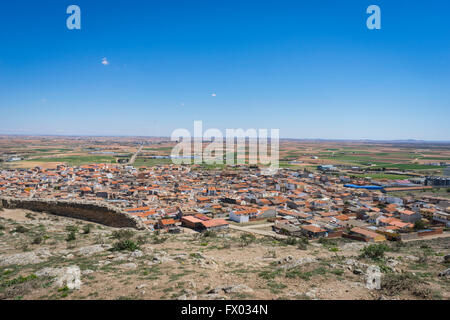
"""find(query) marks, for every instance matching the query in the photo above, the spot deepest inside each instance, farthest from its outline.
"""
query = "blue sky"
(310, 68)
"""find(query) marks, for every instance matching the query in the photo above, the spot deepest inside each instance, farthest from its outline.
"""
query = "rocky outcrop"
(24, 258)
(90, 250)
(68, 276)
(445, 273)
(91, 211)
(238, 288)
(372, 274)
(289, 262)
(373, 278)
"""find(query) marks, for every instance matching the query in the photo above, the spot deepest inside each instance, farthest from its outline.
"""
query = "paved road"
(252, 229)
(133, 157)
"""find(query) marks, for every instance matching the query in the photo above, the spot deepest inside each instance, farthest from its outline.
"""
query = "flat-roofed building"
(313, 231)
(369, 236)
(240, 216)
(214, 225)
(191, 222)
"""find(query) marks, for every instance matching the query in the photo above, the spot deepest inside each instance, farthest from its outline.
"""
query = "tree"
(374, 251)
(420, 225)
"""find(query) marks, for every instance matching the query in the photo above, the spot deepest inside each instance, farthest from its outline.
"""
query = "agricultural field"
(414, 157)
(48, 152)
(405, 157)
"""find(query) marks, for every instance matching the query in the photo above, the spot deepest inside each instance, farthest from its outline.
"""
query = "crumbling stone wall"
(91, 211)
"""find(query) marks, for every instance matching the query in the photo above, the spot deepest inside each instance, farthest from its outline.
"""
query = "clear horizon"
(146, 68)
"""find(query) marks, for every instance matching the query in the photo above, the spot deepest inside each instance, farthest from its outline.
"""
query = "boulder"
(285, 260)
(135, 254)
(188, 295)
(357, 271)
(373, 278)
(180, 256)
(87, 271)
(445, 273)
(392, 262)
(67, 276)
(238, 288)
(353, 246)
(298, 262)
(213, 296)
(90, 250)
(412, 258)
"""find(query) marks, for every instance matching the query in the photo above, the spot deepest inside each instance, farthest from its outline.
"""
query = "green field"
(142, 162)
(77, 160)
(51, 150)
(386, 163)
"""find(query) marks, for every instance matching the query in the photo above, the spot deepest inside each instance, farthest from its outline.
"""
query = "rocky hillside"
(43, 256)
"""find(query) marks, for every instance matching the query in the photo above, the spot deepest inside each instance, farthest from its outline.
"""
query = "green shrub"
(157, 240)
(397, 246)
(30, 216)
(209, 234)
(123, 234)
(87, 228)
(196, 255)
(270, 254)
(268, 275)
(38, 239)
(420, 225)
(19, 280)
(327, 242)
(395, 283)
(21, 229)
(71, 236)
(73, 229)
(291, 241)
(374, 251)
(297, 273)
(304, 240)
(142, 239)
(123, 245)
(247, 238)
(225, 245)
(338, 272)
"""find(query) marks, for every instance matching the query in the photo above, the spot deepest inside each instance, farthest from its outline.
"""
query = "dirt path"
(436, 236)
(133, 158)
(252, 229)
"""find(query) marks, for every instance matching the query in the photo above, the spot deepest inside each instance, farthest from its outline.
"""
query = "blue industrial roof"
(363, 187)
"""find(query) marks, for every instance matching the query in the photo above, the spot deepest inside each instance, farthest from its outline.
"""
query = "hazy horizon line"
(168, 137)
